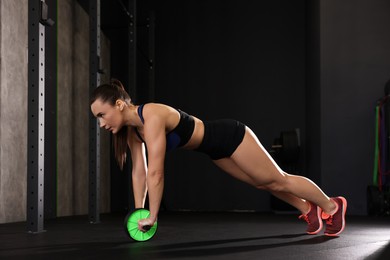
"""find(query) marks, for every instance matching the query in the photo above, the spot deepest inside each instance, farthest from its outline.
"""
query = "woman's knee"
(276, 185)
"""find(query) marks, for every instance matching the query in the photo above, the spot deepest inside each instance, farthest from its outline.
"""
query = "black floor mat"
(189, 235)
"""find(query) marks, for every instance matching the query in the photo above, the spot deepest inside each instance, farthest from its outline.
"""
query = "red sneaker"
(313, 219)
(335, 223)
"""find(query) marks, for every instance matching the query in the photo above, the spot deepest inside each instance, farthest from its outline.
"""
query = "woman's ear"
(120, 104)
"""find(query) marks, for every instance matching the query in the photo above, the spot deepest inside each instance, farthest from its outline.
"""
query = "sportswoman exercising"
(230, 144)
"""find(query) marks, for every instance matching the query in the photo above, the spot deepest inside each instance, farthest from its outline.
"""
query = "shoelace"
(305, 218)
(329, 221)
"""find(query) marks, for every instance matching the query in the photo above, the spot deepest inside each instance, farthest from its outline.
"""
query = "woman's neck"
(131, 116)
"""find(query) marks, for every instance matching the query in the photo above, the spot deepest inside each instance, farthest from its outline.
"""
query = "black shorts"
(221, 138)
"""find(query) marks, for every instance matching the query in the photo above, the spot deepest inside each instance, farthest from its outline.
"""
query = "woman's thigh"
(251, 157)
(230, 167)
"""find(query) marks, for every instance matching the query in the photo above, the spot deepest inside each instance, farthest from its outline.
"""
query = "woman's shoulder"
(161, 114)
(155, 105)
(157, 109)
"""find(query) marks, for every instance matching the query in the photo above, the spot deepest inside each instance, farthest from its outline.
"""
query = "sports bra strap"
(140, 108)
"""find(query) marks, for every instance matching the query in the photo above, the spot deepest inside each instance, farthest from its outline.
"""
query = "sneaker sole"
(344, 201)
(319, 212)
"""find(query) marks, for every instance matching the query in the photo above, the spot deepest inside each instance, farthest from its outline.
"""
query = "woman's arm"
(139, 168)
(155, 138)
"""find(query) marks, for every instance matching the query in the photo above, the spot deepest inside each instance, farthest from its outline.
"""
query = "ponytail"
(111, 93)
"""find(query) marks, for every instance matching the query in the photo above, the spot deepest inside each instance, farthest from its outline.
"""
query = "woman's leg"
(229, 166)
(251, 157)
(310, 213)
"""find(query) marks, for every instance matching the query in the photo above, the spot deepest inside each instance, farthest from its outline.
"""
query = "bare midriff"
(197, 135)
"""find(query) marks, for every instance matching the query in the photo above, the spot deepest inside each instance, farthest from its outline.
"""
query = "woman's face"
(110, 117)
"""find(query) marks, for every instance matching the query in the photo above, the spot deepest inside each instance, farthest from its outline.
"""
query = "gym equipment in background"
(378, 194)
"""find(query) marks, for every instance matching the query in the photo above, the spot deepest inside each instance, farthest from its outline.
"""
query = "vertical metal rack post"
(94, 130)
(132, 57)
(132, 71)
(151, 52)
(36, 118)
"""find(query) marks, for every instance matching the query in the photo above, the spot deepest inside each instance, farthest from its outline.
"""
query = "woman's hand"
(145, 222)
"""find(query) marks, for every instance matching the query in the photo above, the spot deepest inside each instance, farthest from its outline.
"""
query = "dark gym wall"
(227, 59)
(73, 111)
(354, 63)
(315, 65)
(13, 118)
(51, 114)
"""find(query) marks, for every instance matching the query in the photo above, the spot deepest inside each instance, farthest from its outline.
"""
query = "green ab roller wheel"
(131, 225)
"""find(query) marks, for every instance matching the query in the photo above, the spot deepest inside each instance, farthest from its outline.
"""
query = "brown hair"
(111, 93)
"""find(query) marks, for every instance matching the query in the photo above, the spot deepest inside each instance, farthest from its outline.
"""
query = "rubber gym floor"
(199, 235)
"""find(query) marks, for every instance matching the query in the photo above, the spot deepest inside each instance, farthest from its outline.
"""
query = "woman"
(231, 145)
